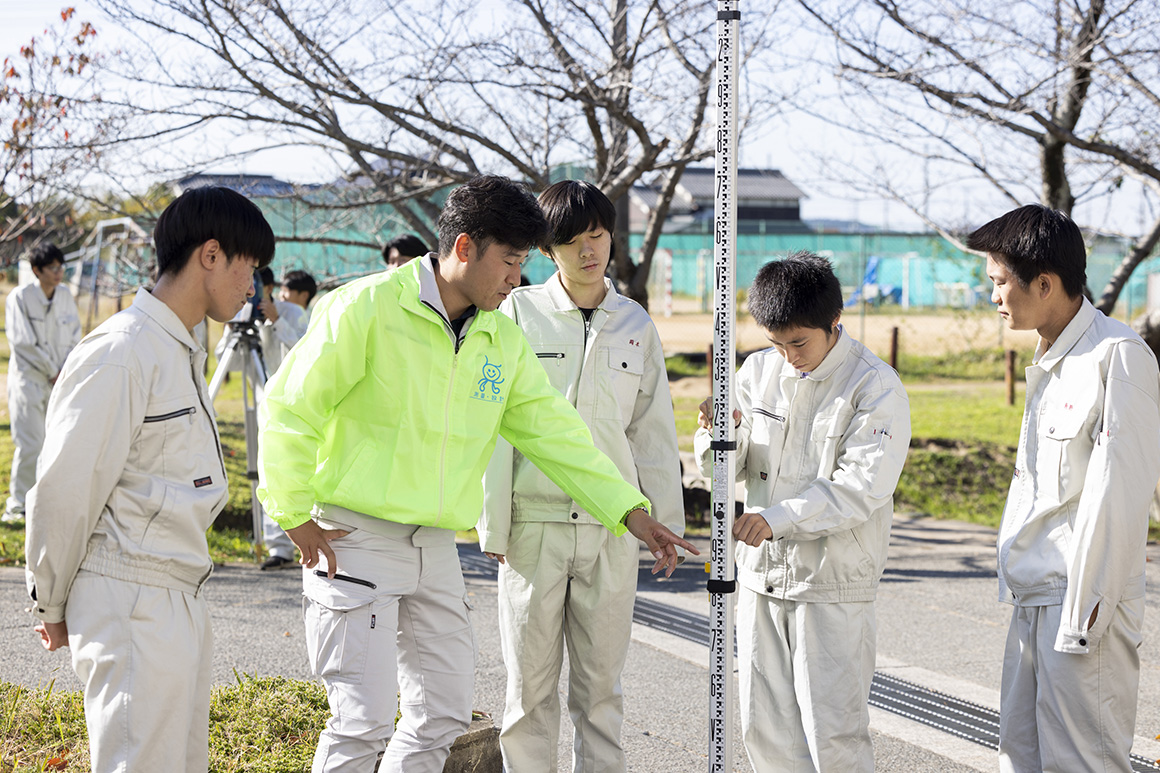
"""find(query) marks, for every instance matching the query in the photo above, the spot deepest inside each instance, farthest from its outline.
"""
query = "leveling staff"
(381, 421)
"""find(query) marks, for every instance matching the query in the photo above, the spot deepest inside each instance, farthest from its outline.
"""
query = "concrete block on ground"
(477, 750)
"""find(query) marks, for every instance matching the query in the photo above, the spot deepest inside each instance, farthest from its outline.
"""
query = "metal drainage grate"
(964, 719)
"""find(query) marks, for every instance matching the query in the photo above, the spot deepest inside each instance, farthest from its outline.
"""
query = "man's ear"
(1045, 284)
(208, 253)
(464, 248)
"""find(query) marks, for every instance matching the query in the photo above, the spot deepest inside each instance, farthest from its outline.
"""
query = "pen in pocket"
(346, 578)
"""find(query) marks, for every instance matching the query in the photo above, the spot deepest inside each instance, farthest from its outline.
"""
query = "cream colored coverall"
(41, 333)
(566, 579)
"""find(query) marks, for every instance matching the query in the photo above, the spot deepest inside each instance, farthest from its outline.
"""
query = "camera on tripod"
(256, 314)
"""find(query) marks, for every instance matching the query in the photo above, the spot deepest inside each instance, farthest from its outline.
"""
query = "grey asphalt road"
(939, 625)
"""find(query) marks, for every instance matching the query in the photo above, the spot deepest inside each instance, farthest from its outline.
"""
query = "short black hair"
(407, 244)
(799, 291)
(266, 274)
(301, 281)
(1034, 240)
(211, 212)
(44, 255)
(491, 209)
(572, 207)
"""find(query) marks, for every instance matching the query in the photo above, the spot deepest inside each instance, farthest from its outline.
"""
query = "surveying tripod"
(244, 348)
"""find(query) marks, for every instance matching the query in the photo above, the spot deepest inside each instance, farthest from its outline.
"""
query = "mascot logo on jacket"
(487, 388)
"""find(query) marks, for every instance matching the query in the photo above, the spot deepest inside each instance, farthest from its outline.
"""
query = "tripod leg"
(224, 364)
(250, 410)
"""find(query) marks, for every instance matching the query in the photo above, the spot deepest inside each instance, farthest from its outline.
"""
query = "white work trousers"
(805, 671)
(410, 631)
(1064, 713)
(574, 584)
(145, 657)
(27, 406)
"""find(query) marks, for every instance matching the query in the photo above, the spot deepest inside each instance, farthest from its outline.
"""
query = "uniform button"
(1051, 431)
(769, 589)
(575, 516)
(624, 365)
(1083, 642)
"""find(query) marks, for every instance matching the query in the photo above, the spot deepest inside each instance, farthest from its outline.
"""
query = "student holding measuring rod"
(823, 428)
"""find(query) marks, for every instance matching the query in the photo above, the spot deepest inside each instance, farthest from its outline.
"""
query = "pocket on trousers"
(338, 627)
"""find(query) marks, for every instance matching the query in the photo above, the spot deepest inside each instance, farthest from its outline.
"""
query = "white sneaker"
(12, 516)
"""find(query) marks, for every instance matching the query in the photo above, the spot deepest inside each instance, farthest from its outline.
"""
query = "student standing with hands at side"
(43, 327)
(131, 477)
(565, 579)
(1071, 544)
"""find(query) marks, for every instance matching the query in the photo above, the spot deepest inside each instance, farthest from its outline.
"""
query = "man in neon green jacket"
(375, 435)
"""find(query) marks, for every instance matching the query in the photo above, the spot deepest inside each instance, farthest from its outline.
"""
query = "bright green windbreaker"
(374, 410)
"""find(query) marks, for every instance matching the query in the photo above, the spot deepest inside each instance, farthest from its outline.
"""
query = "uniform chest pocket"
(555, 362)
(768, 425)
(622, 370)
(826, 433)
(766, 443)
(166, 432)
(1066, 438)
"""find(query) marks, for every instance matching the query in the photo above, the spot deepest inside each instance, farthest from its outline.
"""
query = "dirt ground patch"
(930, 333)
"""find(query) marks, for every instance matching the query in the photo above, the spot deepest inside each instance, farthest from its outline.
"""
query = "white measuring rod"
(722, 583)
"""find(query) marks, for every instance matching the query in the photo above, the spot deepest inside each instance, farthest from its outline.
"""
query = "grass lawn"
(263, 725)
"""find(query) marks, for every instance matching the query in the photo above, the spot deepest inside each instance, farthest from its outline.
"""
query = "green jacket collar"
(419, 294)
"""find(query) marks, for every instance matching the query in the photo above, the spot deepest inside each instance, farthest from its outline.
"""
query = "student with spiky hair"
(1071, 543)
(43, 327)
(131, 477)
(564, 578)
(823, 428)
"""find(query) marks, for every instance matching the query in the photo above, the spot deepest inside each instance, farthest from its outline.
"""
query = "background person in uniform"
(131, 477)
(401, 386)
(403, 249)
(823, 428)
(564, 577)
(285, 321)
(1071, 543)
(299, 288)
(282, 322)
(43, 326)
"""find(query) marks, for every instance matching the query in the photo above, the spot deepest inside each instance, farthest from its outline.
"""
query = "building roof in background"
(246, 184)
(751, 184)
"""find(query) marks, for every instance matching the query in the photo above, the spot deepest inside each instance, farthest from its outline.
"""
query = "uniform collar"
(167, 318)
(422, 272)
(1047, 360)
(561, 301)
(829, 364)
